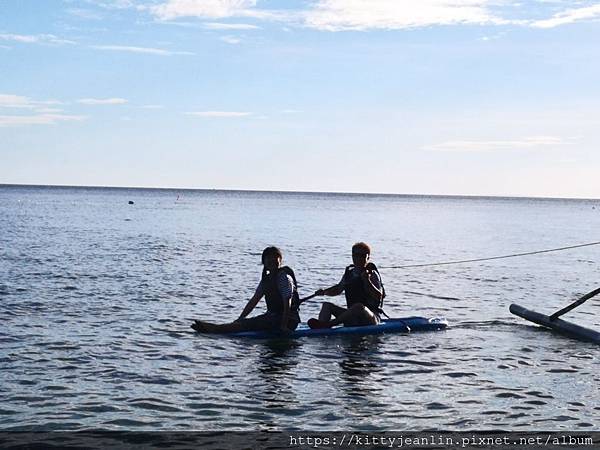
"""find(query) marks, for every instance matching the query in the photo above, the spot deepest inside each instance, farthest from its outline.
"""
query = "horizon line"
(380, 194)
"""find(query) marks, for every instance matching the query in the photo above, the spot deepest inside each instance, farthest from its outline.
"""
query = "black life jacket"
(356, 293)
(272, 294)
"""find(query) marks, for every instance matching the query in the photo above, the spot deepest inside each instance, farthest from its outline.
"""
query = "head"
(271, 258)
(361, 253)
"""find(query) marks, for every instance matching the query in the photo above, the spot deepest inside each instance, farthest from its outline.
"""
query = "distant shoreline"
(265, 191)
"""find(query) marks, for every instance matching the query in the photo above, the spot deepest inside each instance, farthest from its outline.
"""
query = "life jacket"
(272, 294)
(356, 293)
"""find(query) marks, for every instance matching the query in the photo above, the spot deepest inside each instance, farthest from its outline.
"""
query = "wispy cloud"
(87, 14)
(146, 50)
(498, 145)
(569, 16)
(230, 26)
(116, 4)
(35, 39)
(15, 101)
(360, 15)
(216, 9)
(230, 39)
(203, 8)
(339, 15)
(48, 110)
(492, 37)
(102, 101)
(218, 113)
(19, 101)
(37, 119)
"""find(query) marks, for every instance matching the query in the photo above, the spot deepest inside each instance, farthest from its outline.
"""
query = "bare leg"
(207, 327)
(329, 309)
(357, 314)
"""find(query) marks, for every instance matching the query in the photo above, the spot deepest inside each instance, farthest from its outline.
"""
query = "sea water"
(97, 296)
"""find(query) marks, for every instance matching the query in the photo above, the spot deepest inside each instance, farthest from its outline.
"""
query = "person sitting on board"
(364, 292)
(278, 286)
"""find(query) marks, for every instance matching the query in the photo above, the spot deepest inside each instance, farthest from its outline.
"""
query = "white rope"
(463, 261)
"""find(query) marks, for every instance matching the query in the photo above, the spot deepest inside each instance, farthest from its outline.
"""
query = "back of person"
(279, 287)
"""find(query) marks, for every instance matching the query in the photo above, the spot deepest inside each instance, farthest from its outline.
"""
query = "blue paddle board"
(400, 325)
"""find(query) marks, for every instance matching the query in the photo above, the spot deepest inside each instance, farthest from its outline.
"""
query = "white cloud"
(34, 39)
(230, 39)
(338, 15)
(569, 16)
(115, 4)
(102, 101)
(218, 113)
(147, 50)
(492, 37)
(217, 9)
(18, 101)
(48, 110)
(202, 8)
(84, 13)
(15, 101)
(38, 119)
(531, 142)
(230, 26)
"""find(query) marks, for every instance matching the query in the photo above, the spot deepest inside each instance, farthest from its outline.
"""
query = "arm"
(252, 303)
(372, 285)
(285, 286)
(334, 290)
(285, 314)
(331, 291)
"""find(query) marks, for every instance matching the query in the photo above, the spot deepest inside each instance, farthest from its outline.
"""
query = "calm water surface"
(96, 297)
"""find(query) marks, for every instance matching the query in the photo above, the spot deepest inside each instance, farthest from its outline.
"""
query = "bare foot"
(316, 324)
(205, 327)
(199, 326)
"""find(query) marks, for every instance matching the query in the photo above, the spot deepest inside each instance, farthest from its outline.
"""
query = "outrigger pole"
(559, 325)
(575, 304)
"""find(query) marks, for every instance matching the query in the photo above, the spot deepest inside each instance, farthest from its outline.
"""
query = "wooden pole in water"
(575, 304)
(562, 326)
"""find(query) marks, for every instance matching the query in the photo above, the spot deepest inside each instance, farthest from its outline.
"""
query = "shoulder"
(375, 278)
(285, 277)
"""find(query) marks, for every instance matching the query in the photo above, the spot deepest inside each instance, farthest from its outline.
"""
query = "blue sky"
(466, 97)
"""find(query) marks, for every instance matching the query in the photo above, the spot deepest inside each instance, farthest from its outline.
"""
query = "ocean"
(97, 296)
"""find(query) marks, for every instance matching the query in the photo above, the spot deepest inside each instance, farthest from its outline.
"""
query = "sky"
(448, 97)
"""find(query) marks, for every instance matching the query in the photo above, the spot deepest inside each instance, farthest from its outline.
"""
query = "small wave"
(437, 406)
(132, 423)
(154, 406)
(509, 395)
(459, 374)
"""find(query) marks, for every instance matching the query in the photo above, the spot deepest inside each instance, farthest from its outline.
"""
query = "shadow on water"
(275, 363)
(359, 365)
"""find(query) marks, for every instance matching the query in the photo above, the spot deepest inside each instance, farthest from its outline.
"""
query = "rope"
(463, 261)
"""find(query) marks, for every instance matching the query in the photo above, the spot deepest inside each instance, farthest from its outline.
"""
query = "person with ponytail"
(279, 288)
